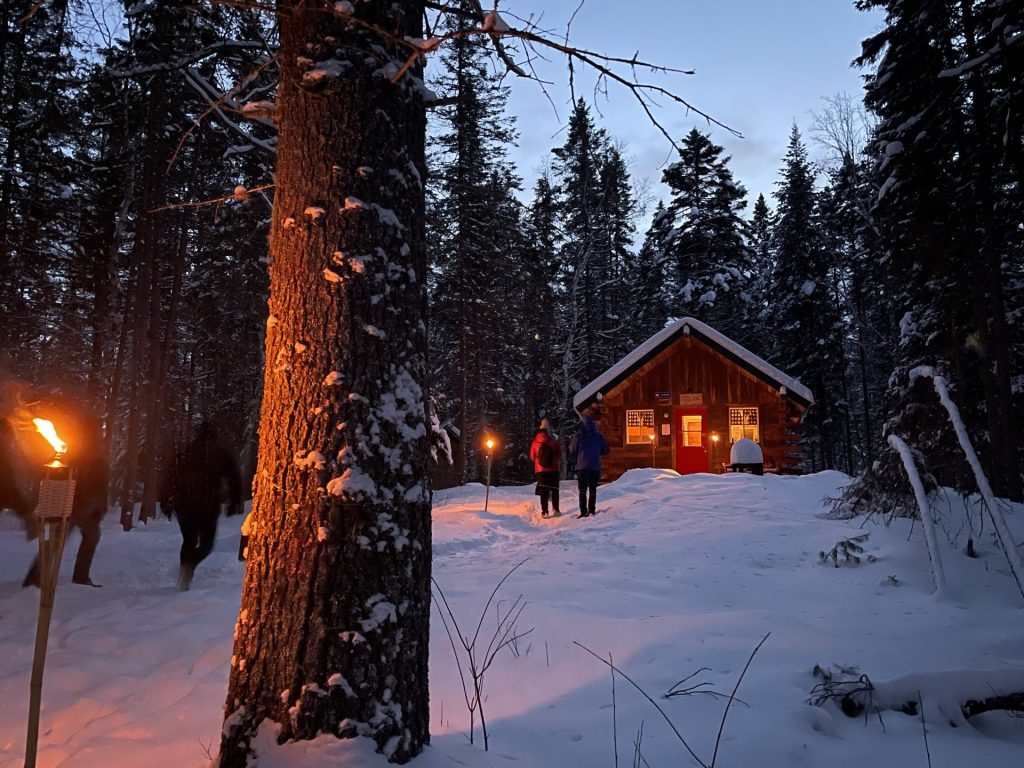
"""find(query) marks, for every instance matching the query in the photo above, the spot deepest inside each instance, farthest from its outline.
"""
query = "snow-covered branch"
(931, 540)
(189, 60)
(1006, 541)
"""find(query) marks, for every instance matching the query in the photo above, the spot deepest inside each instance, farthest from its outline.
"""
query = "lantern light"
(714, 437)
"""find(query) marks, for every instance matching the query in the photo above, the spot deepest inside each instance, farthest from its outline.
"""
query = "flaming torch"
(490, 457)
(56, 496)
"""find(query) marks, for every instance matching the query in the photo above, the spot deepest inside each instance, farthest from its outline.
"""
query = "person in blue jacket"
(588, 446)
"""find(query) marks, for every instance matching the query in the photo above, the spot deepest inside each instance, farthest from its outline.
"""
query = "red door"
(691, 453)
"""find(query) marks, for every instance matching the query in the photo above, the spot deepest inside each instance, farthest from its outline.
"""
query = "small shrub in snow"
(850, 550)
(476, 660)
(851, 690)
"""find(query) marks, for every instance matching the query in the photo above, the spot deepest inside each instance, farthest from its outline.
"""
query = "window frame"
(644, 424)
(744, 427)
(687, 434)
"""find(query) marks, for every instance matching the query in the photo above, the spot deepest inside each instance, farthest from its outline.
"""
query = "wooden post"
(487, 493)
(55, 498)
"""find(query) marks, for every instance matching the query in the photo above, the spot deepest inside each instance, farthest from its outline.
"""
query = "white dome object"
(745, 451)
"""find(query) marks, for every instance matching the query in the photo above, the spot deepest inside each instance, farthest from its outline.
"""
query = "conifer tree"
(850, 234)
(947, 149)
(596, 209)
(471, 223)
(648, 276)
(38, 202)
(616, 223)
(762, 267)
(538, 280)
(703, 239)
(577, 174)
(803, 310)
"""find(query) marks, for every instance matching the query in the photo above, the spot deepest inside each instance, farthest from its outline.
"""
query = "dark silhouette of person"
(14, 494)
(588, 446)
(547, 466)
(199, 478)
(23, 452)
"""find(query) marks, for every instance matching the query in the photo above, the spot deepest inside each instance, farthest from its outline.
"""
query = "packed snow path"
(672, 575)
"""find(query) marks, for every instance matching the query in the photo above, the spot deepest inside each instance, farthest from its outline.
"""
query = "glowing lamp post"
(714, 450)
(654, 455)
(489, 443)
(56, 496)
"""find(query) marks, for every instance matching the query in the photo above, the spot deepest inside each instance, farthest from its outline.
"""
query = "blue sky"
(760, 65)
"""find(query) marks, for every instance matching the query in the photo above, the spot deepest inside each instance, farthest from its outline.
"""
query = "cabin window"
(639, 427)
(743, 422)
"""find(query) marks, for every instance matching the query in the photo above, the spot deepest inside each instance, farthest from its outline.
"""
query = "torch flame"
(46, 429)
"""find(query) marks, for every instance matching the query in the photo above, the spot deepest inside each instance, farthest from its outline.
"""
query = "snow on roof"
(688, 326)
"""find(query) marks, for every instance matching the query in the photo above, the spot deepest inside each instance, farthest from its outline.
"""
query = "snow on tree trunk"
(333, 631)
(995, 512)
(931, 541)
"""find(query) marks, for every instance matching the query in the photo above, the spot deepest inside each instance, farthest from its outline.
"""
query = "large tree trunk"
(334, 625)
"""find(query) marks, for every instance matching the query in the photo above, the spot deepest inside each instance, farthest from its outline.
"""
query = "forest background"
(136, 175)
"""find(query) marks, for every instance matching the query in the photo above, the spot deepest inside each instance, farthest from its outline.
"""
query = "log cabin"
(681, 399)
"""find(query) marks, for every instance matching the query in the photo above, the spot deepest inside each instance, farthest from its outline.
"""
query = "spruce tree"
(803, 311)
(648, 277)
(470, 221)
(539, 299)
(703, 240)
(947, 148)
(596, 209)
(38, 187)
(762, 266)
(851, 236)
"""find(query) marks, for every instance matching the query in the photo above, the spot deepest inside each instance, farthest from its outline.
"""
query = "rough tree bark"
(333, 631)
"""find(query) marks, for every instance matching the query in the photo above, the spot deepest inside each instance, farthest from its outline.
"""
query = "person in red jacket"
(546, 454)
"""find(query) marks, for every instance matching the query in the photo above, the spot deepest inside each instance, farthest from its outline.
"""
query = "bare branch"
(32, 11)
(644, 92)
(238, 194)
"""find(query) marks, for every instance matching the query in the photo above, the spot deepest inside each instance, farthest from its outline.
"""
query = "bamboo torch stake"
(56, 495)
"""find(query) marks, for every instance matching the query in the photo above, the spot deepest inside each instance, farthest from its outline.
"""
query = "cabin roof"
(664, 338)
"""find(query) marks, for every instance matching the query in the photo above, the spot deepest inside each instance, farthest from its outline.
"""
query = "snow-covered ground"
(673, 575)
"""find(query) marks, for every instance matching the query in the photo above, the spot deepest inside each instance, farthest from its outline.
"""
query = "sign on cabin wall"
(692, 399)
(663, 398)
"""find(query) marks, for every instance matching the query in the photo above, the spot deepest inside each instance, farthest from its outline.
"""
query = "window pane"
(639, 426)
(744, 422)
(693, 431)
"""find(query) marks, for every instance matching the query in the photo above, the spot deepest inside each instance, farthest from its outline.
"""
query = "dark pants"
(89, 526)
(90, 529)
(547, 488)
(198, 530)
(587, 479)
